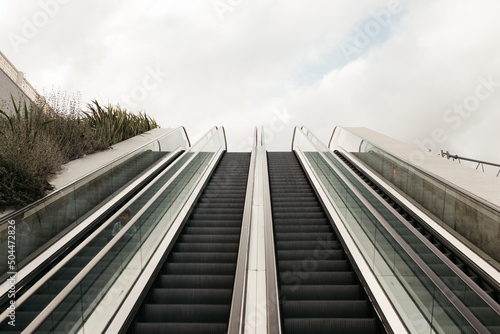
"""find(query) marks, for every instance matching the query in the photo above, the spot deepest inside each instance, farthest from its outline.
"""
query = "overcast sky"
(404, 68)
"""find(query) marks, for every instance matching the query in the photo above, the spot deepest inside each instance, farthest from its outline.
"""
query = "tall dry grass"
(116, 124)
(37, 139)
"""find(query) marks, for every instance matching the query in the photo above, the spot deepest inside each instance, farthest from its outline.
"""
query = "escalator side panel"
(193, 291)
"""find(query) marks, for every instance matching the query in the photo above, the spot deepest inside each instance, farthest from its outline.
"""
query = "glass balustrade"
(99, 293)
(421, 304)
(475, 221)
(41, 224)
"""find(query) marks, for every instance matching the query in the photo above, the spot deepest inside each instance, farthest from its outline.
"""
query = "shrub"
(71, 133)
(36, 140)
(116, 124)
(28, 156)
(73, 137)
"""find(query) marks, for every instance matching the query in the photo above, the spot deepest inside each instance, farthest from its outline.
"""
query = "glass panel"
(448, 205)
(413, 294)
(100, 293)
(47, 220)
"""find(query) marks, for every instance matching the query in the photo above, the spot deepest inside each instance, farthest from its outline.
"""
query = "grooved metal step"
(319, 290)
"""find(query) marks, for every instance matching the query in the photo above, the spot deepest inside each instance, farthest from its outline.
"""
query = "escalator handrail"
(272, 291)
(391, 319)
(466, 313)
(4, 220)
(61, 244)
(93, 263)
(492, 275)
(224, 133)
(187, 137)
(237, 312)
(43, 280)
(124, 315)
(466, 279)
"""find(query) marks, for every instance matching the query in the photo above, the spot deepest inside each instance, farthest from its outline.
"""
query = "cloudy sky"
(408, 69)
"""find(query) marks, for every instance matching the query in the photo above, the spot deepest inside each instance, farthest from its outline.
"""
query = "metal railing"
(480, 163)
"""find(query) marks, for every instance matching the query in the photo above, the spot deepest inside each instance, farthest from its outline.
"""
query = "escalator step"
(212, 230)
(308, 245)
(199, 268)
(209, 238)
(301, 236)
(330, 326)
(213, 223)
(319, 291)
(210, 247)
(312, 264)
(180, 328)
(326, 309)
(186, 313)
(196, 281)
(318, 278)
(301, 228)
(323, 292)
(193, 292)
(183, 257)
(300, 221)
(192, 296)
(308, 215)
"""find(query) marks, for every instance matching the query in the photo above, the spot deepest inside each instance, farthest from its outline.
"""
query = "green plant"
(116, 124)
(28, 156)
(35, 140)
(26, 122)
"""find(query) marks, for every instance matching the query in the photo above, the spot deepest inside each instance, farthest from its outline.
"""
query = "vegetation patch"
(37, 139)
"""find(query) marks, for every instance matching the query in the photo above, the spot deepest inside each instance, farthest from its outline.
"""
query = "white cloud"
(271, 54)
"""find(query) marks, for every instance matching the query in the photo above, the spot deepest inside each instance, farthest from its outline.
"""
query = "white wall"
(13, 82)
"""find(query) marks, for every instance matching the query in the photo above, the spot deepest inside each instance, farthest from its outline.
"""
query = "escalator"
(319, 290)
(193, 290)
(458, 259)
(46, 292)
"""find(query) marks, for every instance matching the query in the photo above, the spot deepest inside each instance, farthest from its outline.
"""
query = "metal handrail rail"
(32, 206)
(124, 315)
(39, 320)
(40, 282)
(466, 313)
(383, 306)
(426, 173)
(240, 278)
(62, 243)
(272, 291)
(482, 265)
(479, 162)
(225, 140)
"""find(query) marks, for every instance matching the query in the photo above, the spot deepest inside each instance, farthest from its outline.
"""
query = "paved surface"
(77, 168)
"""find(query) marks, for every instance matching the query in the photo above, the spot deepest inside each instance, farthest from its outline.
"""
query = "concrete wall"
(13, 82)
